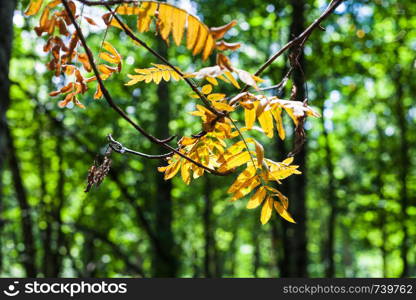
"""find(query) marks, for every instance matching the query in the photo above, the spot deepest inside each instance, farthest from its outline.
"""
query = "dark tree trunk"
(166, 265)
(297, 232)
(209, 247)
(29, 254)
(6, 37)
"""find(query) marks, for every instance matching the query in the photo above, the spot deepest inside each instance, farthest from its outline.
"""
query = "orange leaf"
(219, 32)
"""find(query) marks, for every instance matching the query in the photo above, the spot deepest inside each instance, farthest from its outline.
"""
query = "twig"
(300, 39)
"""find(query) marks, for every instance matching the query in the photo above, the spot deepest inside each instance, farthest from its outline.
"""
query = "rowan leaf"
(218, 32)
(192, 32)
(259, 153)
(277, 115)
(146, 12)
(266, 211)
(230, 77)
(216, 97)
(250, 117)
(283, 212)
(172, 169)
(246, 188)
(165, 20)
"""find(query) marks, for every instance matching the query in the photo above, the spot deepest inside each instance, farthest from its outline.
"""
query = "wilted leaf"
(283, 212)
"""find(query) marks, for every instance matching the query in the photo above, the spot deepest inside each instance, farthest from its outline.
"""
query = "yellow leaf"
(54, 3)
(178, 22)
(201, 39)
(106, 70)
(192, 32)
(108, 58)
(209, 46)
(283, 212)
(234, 149)
(266, 123)
(250, 117)
(241, 179)
(219, 32)
(98, 93)
(246, 188)
(259, 153)
(222, 106)
(235, 161)
(232, 79)
(212, 80)
(206, 89)
(166, 75)
(277, 115)
(83, 58)
(107, 46)
(175, 76)
(288, 160)
(266, 211)
(186, 172)
(90, 21)
(33, 8)
(247, 78)
(172, 169)
(257, 198)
